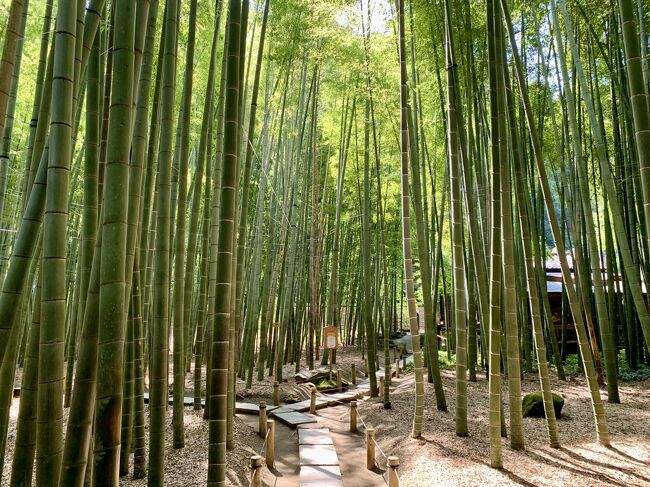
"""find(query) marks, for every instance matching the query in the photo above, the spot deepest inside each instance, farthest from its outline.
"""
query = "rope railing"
(268, 431)
(390, 475)
(257, 461)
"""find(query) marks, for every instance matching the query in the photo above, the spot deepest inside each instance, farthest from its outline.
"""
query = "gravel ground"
(441, 458)
(184, 467)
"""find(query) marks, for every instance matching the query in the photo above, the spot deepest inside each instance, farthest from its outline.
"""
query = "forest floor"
(439, 457)
(442, 458)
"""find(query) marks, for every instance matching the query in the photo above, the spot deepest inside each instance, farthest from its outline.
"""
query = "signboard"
(331, 337)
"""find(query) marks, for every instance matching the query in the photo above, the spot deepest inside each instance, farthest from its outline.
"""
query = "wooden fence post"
(276, 393)
(353, 416)
(370, 448)
(256, 470)
(270, 444)
(353, 373)
(312, 404)
(393, 479)
(262, 427)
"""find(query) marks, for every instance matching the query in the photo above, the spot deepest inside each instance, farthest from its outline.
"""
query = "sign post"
(331, 342)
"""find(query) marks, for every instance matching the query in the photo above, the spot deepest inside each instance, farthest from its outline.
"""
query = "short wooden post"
(353, 373)
(393, 465)
(381, 386)
(365, 371)
(370, 448)
(353, 416)
(270, 444)
(312, 404)
(276, 393)
(256, 470)
(339, 382)
(397, 368)
(404, 362)
(262, 428)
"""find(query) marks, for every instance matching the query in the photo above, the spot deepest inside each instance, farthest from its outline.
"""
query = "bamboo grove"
(193, 190)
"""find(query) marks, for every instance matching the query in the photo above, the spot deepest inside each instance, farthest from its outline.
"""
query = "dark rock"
(533, 405)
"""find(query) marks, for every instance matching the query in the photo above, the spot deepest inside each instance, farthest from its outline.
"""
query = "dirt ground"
(440, 457)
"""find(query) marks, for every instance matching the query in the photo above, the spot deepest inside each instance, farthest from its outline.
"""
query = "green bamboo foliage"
(366, 259)
(160, 311)
(630, 268)
(458, 257)
(214, 229)
(224, 278)
(494, 361)
(509, 274)
(38, 94)
(179, 245)
(79, 428)
(7, 373)
(108, 230)
(524, 207)
(601, 424)
(6, 142)
(248, 159)
(132, 410)
(423, 254)
(23, 251)
(112, 326)
(205, 152)
(639, 100)
(235, 309)
(604, 324)
(49, 439)
(470, 190)
(406, 230)
(12, 36)
(315, 235)
(249, 150)
(25, 446)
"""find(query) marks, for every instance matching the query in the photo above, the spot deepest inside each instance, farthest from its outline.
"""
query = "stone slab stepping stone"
(334, 399)
(310, 426)
(315, 437)
(313, 455)
(320, 476)
(301, 406)
(282, 410)
(294, 419)
(247, 408)
(251, 408)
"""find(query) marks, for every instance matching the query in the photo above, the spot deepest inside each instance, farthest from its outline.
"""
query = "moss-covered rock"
(325, 384)
(533, 405)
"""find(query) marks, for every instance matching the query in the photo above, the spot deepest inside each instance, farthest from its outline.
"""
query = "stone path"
(318, 460)
(315, 462)
(319, 463)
